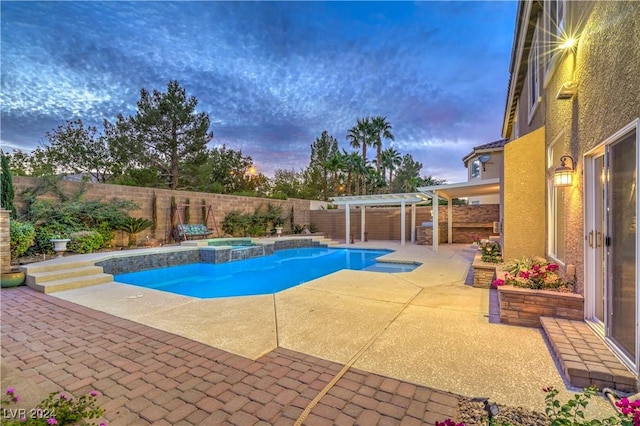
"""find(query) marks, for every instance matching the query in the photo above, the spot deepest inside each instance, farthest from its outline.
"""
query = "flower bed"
(524, 306)
(484, 273)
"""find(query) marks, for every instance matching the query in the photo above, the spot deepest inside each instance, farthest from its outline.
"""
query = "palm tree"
(333, 164)
(390, 160)
(351, 166)
(359, 136)
(381, 129)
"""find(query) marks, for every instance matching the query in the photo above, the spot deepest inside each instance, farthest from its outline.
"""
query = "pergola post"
(347, 223)
(362, 223)
(402, 222)
(450, 220)
(436, 228)
(413, 223)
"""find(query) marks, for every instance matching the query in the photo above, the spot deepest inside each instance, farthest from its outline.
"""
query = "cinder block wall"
(383, 223)
(143, 197)
(5, 241)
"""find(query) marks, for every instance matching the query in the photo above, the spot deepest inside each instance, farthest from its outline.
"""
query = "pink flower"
(102, 424)
(52, 421)
(16, 398)
(524, 274)
(94, 393)
(63, 395)
(552, 267)
(498, 282)
(10, 391)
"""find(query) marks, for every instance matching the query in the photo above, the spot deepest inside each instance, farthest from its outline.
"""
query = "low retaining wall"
(483, 273)
(524, 307)
(199, 253)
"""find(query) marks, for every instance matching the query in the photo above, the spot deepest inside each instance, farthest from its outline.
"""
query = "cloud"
(271, 75)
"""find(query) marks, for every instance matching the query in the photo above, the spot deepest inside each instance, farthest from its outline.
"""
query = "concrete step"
(61, 274)
(71, 283)
(55, 266)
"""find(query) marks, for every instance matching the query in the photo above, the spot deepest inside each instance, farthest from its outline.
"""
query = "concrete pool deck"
(425, 327)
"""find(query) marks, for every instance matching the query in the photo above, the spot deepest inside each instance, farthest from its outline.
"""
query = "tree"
(228, 170)
(408, 175)
(380, 129)
(288, 182)
(72, 147)
(334, 164)
(317, 173)
(390, 160)
(165, 133)
(360, 136)
(36, 163)
(7, 191)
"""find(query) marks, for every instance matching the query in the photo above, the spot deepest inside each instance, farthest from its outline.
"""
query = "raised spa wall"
(199, 254)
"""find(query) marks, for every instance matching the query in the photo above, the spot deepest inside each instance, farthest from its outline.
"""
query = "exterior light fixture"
(563, 175)
(569, 43)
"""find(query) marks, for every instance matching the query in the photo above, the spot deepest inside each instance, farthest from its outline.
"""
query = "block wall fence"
(5, 246)
(221, 204)
(382, 223)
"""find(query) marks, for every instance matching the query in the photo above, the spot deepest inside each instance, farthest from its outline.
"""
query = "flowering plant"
(534, 273)
(491, 251)
(56, 409)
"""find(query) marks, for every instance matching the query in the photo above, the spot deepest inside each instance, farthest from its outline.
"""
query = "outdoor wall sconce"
(567, 90)
(563, 175)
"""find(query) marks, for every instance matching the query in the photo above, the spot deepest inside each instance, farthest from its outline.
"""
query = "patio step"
(584, 357)
(71, 283)
(55, 265)
(61, 274)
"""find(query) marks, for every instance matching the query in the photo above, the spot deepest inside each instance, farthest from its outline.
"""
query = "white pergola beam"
(413, 223)
(362, 223)
(402, 223)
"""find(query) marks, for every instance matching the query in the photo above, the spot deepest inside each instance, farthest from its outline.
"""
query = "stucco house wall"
(524, 190)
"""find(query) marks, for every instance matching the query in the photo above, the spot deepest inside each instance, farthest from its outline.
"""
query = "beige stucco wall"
(524, 184)
(607, 67)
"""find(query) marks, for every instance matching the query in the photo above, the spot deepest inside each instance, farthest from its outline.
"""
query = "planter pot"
(278, 231)
(60, 245)
(12, 279)
(524, 306)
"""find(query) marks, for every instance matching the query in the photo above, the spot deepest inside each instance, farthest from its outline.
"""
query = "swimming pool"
(260, 275)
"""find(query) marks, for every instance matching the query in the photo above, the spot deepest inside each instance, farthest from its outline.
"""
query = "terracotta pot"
(12, 279)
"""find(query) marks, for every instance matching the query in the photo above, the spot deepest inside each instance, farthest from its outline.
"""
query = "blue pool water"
(260, 275)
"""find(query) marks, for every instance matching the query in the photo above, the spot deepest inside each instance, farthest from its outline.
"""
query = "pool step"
(326, 241)
(65, 276)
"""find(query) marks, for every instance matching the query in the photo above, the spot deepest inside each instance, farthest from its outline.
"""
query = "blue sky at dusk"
(271, 75)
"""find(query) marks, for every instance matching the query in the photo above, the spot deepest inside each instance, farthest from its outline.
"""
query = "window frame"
(475, 169)
(533, 73)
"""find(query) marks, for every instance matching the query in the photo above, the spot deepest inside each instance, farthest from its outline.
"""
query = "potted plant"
(277, 223)
(59, 244)
(22, 236)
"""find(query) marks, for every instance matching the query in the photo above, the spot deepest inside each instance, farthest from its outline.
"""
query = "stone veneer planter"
(483, 273)
(524, 307)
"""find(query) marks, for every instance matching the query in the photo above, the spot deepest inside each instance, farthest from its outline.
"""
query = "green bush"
(22, 237)
(44, 234)
(236, 223)
(85, 242)
(108, 234)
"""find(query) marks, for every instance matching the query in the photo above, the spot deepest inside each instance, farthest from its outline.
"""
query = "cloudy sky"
(271, 75)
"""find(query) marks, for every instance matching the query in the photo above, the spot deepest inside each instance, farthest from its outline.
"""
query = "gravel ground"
(473, 413)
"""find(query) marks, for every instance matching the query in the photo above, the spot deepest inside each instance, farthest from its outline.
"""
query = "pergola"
(381, 200)
(456, 190)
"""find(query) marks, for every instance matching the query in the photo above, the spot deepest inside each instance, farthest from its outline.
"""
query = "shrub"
(85, 242)
(491, 252)
(22, 237)
(133, 226)
(57, 409)
(236, 223)
(534, 273)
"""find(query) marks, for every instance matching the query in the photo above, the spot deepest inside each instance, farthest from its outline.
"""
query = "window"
(475, 169)
(556, 230)
(554, 28)
(534, 74)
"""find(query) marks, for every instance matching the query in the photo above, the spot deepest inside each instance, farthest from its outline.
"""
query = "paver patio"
(149, 376)
(395, 337)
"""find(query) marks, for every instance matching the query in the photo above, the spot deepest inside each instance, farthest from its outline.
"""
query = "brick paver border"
(149, 376)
